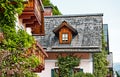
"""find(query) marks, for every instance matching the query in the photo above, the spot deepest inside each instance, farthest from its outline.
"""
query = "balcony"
(33, 17)
(40, 54)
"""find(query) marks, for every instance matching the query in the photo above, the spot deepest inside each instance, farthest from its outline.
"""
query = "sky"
(111, 16)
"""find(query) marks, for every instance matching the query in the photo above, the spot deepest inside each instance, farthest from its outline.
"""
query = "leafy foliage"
(55, 9)
(100, 62)
(13, 49)
(66, 64)
(81, 74)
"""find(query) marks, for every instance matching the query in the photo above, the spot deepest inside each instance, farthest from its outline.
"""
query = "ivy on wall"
(66, 64)
(100, 62)
(13, 61)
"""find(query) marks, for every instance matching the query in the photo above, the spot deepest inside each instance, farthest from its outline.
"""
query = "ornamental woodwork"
(40, 54)
(33, 17)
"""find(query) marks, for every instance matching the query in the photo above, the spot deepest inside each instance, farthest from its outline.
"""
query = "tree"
(13, 49)
(55, 9)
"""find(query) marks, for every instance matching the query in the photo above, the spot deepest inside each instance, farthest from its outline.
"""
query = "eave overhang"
(74, 49)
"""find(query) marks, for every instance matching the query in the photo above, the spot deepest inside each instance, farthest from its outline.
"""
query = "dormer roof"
(65, 24)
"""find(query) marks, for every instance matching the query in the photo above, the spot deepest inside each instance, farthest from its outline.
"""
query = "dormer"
(65, 33)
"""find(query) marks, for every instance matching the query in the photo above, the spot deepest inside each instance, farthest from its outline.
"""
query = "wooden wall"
(65, 30)
(54, 55)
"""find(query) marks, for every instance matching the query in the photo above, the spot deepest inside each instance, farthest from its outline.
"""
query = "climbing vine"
(13, 49)
(100, 62)
(66, 64)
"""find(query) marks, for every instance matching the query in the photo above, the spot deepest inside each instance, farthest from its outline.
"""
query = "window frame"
(64, 36)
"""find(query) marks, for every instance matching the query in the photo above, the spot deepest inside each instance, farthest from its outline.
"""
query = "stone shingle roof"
(88, 39)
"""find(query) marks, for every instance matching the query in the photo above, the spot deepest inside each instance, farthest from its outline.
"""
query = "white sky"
(111, 11)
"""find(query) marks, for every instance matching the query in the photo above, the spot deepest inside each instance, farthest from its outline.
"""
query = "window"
(56, 71)
(65, 37)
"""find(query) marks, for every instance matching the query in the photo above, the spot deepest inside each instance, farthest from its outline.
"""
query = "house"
(78, 35)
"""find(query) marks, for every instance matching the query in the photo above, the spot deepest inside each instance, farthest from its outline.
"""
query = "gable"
(64, 24)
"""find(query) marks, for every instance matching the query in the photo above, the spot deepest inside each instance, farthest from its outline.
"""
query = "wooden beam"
(27, 9)
(25, 1)
(30, 25)
(25, 16)
(28, 13)
(26, 21)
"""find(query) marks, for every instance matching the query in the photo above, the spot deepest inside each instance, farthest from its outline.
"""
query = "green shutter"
(52, 72)
(81, 70)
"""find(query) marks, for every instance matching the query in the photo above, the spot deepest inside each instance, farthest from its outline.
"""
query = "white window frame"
(65, 37)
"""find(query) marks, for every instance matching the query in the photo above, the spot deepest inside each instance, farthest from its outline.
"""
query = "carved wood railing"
(40, 54)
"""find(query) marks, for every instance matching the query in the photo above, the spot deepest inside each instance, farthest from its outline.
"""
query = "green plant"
(66, 64)
(100, 62)
(55, 9)
(89, 75)
(81, 74)
(13, 62)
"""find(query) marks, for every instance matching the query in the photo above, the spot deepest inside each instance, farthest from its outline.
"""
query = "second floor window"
(64, 37)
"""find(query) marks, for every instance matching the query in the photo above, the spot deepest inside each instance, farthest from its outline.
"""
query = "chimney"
(48, 11)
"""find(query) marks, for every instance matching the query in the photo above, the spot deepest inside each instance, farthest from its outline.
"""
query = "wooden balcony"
(33, 16)
(41, 55)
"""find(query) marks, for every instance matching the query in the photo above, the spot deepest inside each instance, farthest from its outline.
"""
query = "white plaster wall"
(86, 64)
(18, 23)
(49, 64)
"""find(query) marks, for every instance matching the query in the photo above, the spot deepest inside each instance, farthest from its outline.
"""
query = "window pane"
(64, 36)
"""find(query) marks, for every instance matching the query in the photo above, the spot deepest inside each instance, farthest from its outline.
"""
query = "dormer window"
(65, 32)
(64, 37)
